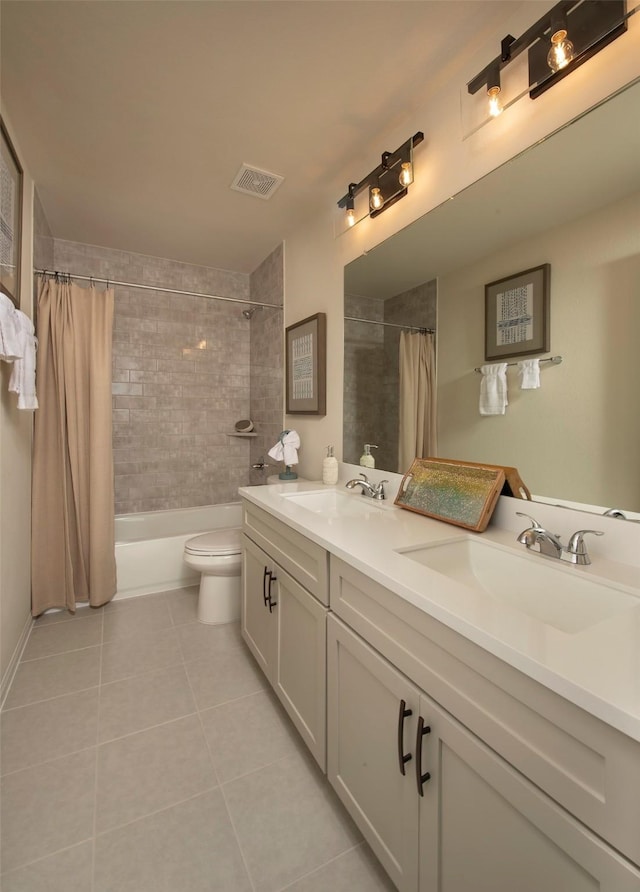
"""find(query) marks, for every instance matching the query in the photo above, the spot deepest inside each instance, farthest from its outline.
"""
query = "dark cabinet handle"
(270, 601)
(403, 757)
(420, 777)
(264, 586)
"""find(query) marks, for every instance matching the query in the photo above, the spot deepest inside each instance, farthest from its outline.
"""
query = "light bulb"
(495, 103)
(351, 217)
(406, 174)
(375, 199)
(562, 51)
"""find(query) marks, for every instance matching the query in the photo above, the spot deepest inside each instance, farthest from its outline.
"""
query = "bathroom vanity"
(478, 743)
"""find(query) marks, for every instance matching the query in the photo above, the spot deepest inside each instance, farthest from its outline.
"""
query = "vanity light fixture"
(493, 92)
(562, 50)
(386, 184)
(591, 24)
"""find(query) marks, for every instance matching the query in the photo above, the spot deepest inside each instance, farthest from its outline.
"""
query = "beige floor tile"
(70, 870)
(54, 676)
(246, 734)
(355, 871)
(47, 808)
(144, 701)
(190, 847)
(223, 677)
(142, 652)
(49, 729)
(138, 617)
(199, 640)
(151, 770)
(308, 825)
(183, 604)
(60, 638)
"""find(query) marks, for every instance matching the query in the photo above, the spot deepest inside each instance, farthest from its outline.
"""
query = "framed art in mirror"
(516, 315)
(10, 218)
(306, 360)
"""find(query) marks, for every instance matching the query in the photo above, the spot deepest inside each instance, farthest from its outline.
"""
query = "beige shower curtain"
(72, 556)
(417, 409)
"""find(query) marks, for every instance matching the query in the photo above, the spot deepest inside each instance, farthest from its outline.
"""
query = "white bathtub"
(149, 547)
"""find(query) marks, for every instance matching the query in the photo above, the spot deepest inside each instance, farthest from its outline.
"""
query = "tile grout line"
(220, 787)
(320, 867)
(95, 780)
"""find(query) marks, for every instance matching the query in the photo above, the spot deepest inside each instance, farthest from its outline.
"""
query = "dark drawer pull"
(264, 586)
(270, 601)
(403, 757)
(420, 777)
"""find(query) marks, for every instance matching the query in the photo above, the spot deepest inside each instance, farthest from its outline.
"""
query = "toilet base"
(219, 599)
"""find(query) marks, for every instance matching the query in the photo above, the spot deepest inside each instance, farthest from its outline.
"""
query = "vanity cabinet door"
(300, 672)
(367, 723)
(485, 828)
(258, 624)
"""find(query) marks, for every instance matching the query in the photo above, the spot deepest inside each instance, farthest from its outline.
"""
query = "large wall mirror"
(572, 201)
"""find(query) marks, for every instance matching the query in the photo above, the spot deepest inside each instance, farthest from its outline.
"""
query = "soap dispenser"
(366, 459)
(330, 468)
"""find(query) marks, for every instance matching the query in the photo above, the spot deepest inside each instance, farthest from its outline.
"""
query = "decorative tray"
(456, 492)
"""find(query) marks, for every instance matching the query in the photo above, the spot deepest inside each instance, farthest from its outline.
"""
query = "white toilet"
(217, 557)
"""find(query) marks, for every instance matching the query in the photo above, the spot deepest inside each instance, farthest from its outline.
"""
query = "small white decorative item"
(330, 468)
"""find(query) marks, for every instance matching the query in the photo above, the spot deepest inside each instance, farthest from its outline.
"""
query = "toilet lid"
(220, 542)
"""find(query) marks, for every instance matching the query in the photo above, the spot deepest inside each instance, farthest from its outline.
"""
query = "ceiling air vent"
(253, 181)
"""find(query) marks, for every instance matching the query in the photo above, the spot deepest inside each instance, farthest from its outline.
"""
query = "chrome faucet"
(375, 492)
(550, 545)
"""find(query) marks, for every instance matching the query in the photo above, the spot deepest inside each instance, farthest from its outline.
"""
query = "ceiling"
(134, 117)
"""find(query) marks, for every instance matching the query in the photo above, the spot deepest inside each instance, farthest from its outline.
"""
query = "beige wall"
(578, 436)
(15, 473)
(444, 164)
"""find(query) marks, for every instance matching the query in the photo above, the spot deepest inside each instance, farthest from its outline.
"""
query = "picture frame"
(517, 314)
(11, 176)
(306, 366)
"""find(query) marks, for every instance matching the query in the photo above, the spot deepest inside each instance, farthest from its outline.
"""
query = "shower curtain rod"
(235, 300)
(422, 330)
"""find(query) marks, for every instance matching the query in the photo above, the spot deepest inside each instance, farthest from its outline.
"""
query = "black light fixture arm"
(511, 47)
(388, 160)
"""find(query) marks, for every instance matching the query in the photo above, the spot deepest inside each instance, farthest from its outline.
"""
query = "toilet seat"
(217, 543)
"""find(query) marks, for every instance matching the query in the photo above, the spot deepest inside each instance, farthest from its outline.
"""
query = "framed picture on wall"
(10, 218)
(306, 364)
(516, 316)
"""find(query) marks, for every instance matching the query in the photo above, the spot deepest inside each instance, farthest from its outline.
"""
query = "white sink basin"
(332, 503)
(559, 596)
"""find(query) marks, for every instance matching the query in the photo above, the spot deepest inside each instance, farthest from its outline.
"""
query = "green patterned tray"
(465, 495)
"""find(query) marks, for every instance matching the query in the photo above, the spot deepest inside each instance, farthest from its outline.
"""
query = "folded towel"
(493, 389)
(10, 343)
(23, 374)
(286, 449)
(529, 371)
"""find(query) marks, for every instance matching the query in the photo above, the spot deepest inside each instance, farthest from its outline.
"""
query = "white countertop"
(597, 668)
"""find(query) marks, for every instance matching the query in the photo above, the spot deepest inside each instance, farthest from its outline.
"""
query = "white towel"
(10, 342)
(493, 389)
(23, 374)
(529, 371)
(286, 449)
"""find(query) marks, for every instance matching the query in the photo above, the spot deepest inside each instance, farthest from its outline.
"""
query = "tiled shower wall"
(181, 379)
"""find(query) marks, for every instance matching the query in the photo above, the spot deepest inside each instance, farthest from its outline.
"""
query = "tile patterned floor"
(142, 750)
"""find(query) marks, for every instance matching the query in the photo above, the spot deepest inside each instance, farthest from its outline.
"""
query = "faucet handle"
(576, 542)
(379, 490)
(534, 523)
(366, 479)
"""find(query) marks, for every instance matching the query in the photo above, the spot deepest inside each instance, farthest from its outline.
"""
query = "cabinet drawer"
(586, 766)
(303, 559)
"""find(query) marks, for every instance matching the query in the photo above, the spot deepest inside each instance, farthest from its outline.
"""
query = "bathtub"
(149, 547)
